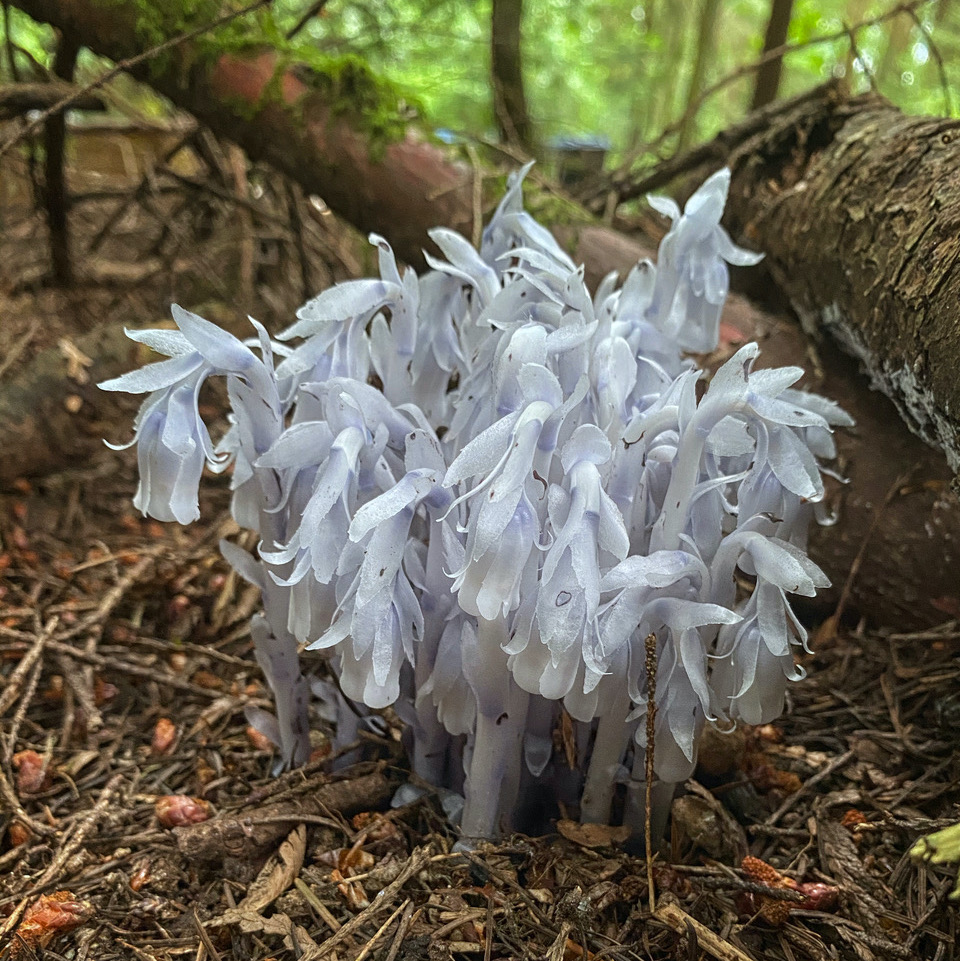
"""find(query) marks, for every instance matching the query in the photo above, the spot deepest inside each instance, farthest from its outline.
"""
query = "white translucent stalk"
(672, 521)
(431, 740)
(495, 764)
(291, 704)
(613, 736)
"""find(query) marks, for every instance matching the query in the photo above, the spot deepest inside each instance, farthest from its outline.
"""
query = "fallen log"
(17, 99)
(857, 208)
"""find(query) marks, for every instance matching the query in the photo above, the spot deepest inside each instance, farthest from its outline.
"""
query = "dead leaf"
(276, 876)
(48, 918)
(250, 922)
(702, 820)
(352, 891)
(593, 835)
(278, 873)
(258, 741)
(18, 834)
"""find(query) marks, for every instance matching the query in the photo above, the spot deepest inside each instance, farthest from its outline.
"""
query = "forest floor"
(139, 818)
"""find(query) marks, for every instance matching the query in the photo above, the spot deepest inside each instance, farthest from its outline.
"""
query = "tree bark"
(705, 40)
(768, 76)
(506, 68)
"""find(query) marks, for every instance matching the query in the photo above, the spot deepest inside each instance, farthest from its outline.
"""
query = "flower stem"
(613, 735)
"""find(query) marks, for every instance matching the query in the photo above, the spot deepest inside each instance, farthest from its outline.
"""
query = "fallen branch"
(20, 98)
(673, 916)
(248, 834)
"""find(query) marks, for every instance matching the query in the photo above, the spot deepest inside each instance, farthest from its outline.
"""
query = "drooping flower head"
(536, 490)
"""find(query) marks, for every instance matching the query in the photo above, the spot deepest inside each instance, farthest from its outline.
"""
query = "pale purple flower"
(479, 492)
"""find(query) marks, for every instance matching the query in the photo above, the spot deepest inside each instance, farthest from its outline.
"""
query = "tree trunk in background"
(768, 76)
(888, 73)
(856, 12)
(506, 66)
(671, 18)
(701, 62)
(55, 185)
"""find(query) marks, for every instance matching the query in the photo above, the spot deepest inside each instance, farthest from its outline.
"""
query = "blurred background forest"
(615, 71)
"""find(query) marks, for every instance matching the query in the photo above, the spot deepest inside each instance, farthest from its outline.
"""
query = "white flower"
(481, 491)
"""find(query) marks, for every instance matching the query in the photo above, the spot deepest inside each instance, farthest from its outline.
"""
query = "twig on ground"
(12, 689)
(19, 346)
(702, 937)
(415, 864)
(790, 802)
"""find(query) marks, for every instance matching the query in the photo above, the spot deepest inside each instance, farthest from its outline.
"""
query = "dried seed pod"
(164, 734)
(48, 917)
(31, 773)
(177, 810)
(819, 896)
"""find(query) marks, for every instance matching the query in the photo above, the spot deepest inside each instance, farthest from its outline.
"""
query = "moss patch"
(379, 108)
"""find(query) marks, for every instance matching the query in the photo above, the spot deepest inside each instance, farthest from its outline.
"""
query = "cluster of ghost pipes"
(535, 487)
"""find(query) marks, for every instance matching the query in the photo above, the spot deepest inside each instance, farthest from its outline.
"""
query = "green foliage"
(942, 847)
(619, 68)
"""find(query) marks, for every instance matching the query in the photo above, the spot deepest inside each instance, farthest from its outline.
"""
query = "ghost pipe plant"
(480, 490)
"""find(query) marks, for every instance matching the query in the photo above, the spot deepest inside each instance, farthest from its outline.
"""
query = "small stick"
(21, 712)
(314, 10)
(12, 689)
(96, 618)
(651, 664)
(477, 193)
(368, 947)
(414, 865)
(405, 922)
(835, 765)
(676, 918)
